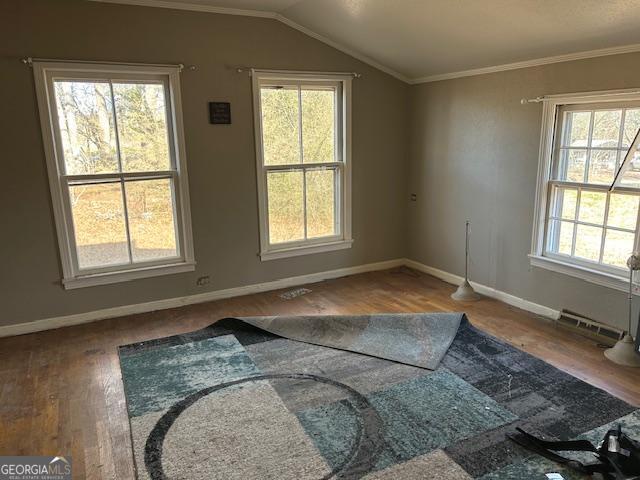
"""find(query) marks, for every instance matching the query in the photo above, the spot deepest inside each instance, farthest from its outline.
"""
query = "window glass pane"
(606, 128)
(592, 206)
(565, 203)
(631, 126)
(318, 125)
(617, 248)
(280, 125)
(631, 177)
(577, 132)
(286, 206)
(98, 219)
(602, 166)
(87, 131)
(151, 222)
(572, 164)
(142, 126)
(623, 211)
(560, 237)
(569, 201)
(321, 203)
(588, 240)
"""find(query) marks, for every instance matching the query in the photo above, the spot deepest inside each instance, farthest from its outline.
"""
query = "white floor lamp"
(624, 351)
(465, 292)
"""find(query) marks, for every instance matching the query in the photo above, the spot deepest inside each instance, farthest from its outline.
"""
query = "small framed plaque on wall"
(219, 113)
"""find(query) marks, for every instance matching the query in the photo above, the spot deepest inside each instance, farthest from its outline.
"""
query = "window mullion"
(337, 189)
(115, 127)
(123, 188)
(151, 175)
(565, 184)
(299, 166)
(115, 177)
(575, 224)
(621, 134)
(594, 187)
(70, 225)
(562, 160)
(300, 124)
(304, 173)
(619, 153)
(553, 233)
(590, 224)
(587, 160)
(126, 218)
(304, 201)
(604, 227)
(337, 121)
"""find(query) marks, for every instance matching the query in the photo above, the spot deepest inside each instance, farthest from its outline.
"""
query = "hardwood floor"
(61, 390)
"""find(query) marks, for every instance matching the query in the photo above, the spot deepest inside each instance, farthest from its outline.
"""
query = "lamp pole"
(465, 292)
(624, 351)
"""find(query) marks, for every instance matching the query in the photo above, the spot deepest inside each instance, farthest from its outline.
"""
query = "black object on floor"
(618, 455)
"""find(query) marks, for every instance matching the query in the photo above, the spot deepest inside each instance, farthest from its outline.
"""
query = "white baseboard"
(86, 317)
(487, 291)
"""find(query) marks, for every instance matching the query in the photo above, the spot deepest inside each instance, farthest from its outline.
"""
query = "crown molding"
(365, 59)
(194, 7)
(602, 52)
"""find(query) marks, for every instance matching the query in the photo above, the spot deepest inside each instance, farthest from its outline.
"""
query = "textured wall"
(465, 146)
(474, 155)
(221, 159)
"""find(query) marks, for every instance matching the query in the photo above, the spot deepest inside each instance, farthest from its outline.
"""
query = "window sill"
(305, 250)
(587, 274)
(126, 275)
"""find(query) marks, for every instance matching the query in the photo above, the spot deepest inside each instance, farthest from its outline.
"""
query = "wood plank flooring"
(61, 390)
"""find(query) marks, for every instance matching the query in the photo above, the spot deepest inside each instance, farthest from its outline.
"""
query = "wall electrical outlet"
(205, 280)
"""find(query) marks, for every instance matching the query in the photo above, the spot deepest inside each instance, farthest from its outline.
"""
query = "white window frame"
(551, 106)
(343, 239)
(72, 275)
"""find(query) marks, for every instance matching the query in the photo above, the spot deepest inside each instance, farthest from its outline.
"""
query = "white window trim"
(307, 247)
(537, 258)
(72, 277)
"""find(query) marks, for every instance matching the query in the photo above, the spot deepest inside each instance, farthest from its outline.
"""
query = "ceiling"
(425, 40)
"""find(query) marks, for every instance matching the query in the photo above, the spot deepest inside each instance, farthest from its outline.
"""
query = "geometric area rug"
(232, 401)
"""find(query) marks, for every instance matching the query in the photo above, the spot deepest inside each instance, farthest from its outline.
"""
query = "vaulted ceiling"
(423, 40)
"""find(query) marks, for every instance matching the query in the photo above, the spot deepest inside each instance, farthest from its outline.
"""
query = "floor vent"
(588, 327)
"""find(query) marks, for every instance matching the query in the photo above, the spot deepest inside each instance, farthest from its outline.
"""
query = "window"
(115, 155)
(302, 124)
(583, 228)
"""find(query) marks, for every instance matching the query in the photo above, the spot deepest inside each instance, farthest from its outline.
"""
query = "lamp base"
(465, 293)
(624, 352)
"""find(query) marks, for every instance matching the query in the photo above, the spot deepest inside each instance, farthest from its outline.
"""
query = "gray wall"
(221, 159)
(474, 155)
(465, 146)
